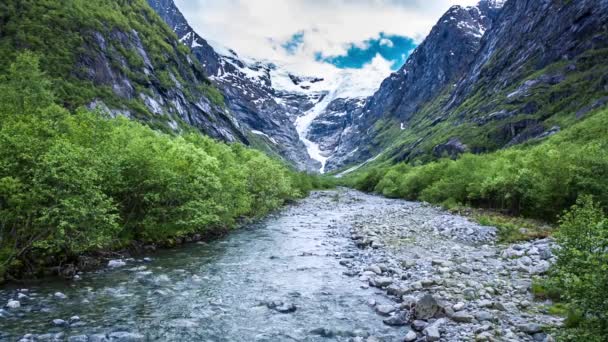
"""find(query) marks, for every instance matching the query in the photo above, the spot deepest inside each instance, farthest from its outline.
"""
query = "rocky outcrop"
(453, 148)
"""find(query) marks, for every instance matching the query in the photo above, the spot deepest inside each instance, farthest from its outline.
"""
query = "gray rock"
(400, 318)
(380, 282)
(385, 310)
(374, 268)
(458, 306)
(116, 263)
(78, 338)
(462, 317)
(60, 295)
(530, 328)
(426, 307)
(13, 304)
(469, 293)
(431, 332)
(419, 325)
(123, 336)
(410, 336)
(484, 316)
(286, 308)
(59, 322)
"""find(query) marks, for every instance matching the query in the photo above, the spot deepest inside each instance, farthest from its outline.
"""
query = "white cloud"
(257, 28)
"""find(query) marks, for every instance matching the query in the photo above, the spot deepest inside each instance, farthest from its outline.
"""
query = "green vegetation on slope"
(87, 47)
(72, 183)
(487, 120)
(537, 181)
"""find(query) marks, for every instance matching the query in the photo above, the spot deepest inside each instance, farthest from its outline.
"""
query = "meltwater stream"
(219, 291)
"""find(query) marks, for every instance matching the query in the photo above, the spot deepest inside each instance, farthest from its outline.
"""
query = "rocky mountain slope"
(266, 112)
(472, 86)
(119, 57)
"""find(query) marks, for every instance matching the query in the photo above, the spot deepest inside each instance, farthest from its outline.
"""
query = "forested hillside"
(78, 182)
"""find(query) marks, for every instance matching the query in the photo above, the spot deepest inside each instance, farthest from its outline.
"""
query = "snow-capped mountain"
(289, 113)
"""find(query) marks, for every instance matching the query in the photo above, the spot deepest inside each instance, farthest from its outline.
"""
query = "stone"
(419, 325)
(469, 293)
(60, 295)
(530, 328)
(431, 332)
(484, 316)
(74, 319)
(399, 319)
(286, 308)
(385, 310)
(78, 338)
(427, 282)
(380, 282)
(13, 304)
(458, 306)
(395, 290)
(462, 317)
(374, 268)
(59, 322)
(486, 303)
(116, 263)
(410, 336)
(464, 269)
(499, 306)
(124, 336)
(426, 307)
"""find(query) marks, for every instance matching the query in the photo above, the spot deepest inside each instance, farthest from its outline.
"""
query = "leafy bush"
(534, 181)
(72, 183)
(581, 271)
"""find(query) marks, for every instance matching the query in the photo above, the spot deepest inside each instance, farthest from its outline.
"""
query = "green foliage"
(213, 94)
(581, 271)
(534, 181)
(72, 183)
(512, 229)
(77, 39)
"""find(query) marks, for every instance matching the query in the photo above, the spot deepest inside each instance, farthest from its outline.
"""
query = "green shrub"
(581, 270)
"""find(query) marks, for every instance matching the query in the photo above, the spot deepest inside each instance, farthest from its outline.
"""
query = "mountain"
(119, 57)
(247, 85)
(487, 77)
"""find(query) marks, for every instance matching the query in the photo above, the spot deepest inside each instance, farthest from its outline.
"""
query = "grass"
(511, 229)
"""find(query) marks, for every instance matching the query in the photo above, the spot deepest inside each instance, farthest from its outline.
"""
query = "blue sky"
(393, 48)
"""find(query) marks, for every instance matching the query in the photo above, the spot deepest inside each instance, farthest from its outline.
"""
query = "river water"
(220, 291)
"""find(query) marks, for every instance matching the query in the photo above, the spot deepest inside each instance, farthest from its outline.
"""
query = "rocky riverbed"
(337, 266)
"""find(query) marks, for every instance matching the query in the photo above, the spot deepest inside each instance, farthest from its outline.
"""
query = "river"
(311, 272)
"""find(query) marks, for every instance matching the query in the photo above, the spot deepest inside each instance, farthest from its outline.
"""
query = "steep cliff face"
(119, 57)
(266, 113)
(487, 77)
(441, 59)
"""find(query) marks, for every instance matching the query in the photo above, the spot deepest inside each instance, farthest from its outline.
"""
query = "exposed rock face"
(475, 68)
(172, 98)
(545, 31)
(329, 128)
(443, 56)
(453, 148)
(265, 113)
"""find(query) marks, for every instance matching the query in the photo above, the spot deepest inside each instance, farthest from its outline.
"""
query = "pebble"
(116, 263)
(13, 304)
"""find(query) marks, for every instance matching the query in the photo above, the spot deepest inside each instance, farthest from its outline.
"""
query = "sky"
(317, 37)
